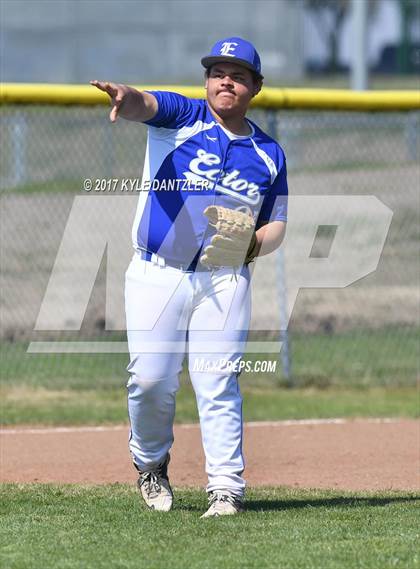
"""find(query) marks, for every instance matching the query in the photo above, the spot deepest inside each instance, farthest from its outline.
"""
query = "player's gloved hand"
(117, 92)
(235, 242)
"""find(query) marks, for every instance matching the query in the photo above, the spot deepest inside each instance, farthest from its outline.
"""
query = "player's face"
(230, 88)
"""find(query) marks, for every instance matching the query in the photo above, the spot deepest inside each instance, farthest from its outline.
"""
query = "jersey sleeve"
(274, 206)
(174, 110)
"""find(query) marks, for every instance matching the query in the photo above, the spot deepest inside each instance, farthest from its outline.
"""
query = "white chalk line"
(250, 424)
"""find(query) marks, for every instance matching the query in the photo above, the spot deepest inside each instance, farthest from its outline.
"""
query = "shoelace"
(151, 482)
(219, 497)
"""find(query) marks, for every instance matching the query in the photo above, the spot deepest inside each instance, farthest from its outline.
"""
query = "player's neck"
(235, 124)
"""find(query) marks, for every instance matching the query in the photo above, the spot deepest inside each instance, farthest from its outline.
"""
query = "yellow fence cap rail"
(269, 98)
(45, 93)
(339, 99)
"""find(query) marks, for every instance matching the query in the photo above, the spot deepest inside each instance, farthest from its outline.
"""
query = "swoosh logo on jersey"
(211, 138)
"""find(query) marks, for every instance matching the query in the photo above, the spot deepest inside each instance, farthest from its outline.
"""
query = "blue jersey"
(192, 162)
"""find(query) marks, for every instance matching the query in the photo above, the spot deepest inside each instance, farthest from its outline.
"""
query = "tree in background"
(410, 11)
(329, 17)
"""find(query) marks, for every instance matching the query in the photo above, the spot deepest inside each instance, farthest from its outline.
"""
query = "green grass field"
(46, 407)
(104, 527)
(348, 375)
(72, 527)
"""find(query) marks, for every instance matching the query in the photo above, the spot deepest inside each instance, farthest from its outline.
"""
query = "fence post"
(284, 334)
(19, 138)
(108, 149)
(412, 134)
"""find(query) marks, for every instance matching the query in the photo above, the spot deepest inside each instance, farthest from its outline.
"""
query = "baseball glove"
(235, 242)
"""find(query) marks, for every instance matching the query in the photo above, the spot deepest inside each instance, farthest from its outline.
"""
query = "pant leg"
(157, 301)
(220, 321)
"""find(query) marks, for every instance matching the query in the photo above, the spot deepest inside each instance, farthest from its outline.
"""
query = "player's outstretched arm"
(127, 102)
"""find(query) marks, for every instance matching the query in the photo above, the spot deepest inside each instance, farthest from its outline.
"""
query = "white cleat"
(223, 504)
(155, 488)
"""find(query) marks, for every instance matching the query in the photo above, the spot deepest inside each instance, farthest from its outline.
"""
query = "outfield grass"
(46, 526)
(21, 405)
(355, 359)
(348, 375)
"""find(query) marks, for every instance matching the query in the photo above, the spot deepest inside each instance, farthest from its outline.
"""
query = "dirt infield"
(351, 455)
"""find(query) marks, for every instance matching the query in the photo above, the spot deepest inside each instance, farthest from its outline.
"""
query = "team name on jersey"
(228, 182)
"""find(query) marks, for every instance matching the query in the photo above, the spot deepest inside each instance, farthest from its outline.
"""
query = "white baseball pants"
(171, 313)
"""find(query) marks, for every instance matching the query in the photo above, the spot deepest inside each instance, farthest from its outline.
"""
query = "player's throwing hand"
(127, 102)
(117, 92)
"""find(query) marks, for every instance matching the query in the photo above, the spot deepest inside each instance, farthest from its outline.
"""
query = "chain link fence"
(48, 152)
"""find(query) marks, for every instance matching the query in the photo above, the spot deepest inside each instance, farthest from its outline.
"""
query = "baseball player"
(215, 197)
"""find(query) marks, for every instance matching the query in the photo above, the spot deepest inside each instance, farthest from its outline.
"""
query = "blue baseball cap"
(234, 50)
